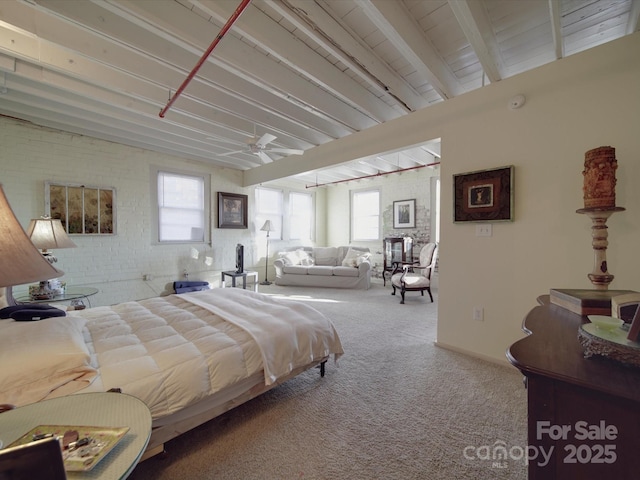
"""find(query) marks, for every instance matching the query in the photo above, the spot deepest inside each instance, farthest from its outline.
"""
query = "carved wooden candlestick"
(599, 173)
(600, 277)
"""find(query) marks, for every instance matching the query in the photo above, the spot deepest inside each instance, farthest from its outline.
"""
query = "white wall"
(573, 105)
(582, 102)
(31, 155)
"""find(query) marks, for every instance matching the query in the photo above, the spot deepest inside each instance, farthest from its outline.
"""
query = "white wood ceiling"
(306, 71)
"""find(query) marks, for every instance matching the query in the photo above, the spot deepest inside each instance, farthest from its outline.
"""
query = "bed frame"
(174, 425)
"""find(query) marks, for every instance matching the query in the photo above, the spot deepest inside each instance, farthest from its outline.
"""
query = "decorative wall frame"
(232, 210)
(483, 195)
(404, 214)
(82, 209)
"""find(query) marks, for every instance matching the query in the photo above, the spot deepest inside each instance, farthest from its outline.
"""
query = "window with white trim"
(183, 207)
(300, 216)
(365, 215)
(269, 206)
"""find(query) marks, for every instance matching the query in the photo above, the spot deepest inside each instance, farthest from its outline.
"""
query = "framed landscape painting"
(484, 195)
(232, 210)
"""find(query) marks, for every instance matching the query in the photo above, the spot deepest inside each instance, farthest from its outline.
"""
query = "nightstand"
(88, 410)
(70, 294)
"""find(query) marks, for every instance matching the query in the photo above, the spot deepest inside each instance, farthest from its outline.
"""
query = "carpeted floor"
(396, 407)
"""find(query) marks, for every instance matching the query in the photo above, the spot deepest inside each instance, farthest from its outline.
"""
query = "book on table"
(585, 301)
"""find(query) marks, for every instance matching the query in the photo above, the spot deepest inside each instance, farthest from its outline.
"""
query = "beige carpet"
(396, 407)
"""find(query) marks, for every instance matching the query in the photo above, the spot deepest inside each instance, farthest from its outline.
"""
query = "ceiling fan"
(258, 146)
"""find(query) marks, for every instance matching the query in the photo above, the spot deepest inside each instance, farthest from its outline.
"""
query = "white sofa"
(340, 267)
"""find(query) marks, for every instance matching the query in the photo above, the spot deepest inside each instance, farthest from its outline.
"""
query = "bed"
(189, 357)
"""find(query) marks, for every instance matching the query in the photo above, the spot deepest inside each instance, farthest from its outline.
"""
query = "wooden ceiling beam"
(476, 27)
(395, 22)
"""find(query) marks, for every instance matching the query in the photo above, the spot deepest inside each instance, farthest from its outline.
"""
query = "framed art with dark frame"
(404, 214)
(232, 210)
(484, 195)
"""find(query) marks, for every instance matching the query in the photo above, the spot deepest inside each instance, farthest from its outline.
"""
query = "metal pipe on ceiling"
(379, 174)
(206, 54)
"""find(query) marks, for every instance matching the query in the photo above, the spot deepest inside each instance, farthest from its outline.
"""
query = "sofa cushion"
(323, 270)
(326, 256)
(295, 269)
(345, 271)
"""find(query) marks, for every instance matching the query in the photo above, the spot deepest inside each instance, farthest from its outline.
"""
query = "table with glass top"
(71, 294)
(107, 410)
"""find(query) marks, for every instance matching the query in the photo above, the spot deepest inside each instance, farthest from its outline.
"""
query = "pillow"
(290, 258)
(350, 259)
(304, 258)
(362, 257)
(41, 359)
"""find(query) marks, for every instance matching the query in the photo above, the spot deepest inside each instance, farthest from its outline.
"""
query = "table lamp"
(46, 233)
(267, 227)
(20, 260)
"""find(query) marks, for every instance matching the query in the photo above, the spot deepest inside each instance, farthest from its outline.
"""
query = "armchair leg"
(402, 295)
(394, 290)
(430, 296)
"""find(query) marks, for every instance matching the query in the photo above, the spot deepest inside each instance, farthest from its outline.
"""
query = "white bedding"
(174, 351)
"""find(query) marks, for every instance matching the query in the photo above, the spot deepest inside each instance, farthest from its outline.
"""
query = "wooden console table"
(587, 410)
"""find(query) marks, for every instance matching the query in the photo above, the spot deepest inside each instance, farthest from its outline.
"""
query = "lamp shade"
(20, 260)
(47, 233)
(267, 226)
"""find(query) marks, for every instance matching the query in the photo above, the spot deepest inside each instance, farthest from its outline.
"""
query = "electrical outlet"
(478, 314)
(483, 230)
(147, 277)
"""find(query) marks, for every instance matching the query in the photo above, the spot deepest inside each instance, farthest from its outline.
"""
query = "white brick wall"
(30, 156)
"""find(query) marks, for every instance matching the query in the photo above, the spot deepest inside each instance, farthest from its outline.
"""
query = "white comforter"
(173, 351)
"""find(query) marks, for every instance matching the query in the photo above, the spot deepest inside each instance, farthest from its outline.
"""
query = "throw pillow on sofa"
(306, 260)
(354, 258)
(297, 257)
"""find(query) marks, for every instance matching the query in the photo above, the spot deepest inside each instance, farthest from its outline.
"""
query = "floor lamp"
(267, 227)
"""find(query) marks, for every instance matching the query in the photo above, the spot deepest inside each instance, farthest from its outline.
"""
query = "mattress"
(171, 352)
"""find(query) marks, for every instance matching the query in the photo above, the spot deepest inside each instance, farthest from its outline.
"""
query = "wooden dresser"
(585, 411)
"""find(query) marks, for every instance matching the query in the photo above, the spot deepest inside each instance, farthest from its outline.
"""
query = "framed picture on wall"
(484, 195)
(404, 214)
(232, 210)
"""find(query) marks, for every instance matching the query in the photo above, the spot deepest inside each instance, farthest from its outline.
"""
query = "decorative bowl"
(606, 323)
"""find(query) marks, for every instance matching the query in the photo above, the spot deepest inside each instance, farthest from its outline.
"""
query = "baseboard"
(446, 346)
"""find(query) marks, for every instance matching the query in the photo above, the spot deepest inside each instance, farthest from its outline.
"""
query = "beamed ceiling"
(300, 73)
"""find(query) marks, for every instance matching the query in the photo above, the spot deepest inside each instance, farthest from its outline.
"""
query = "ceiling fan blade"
(288, 151)
(231, 153)
(265, 139)
(264, 157)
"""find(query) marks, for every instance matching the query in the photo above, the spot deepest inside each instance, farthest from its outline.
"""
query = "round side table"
(88, 409)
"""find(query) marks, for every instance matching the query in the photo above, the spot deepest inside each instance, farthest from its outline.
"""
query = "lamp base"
(265, 282)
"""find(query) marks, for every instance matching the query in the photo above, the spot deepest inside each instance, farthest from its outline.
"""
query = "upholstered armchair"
(416, 276)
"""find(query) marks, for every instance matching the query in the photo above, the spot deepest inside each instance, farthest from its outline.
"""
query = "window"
(269, 206)
(183, 206)
(365, 215)
(300, 216)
